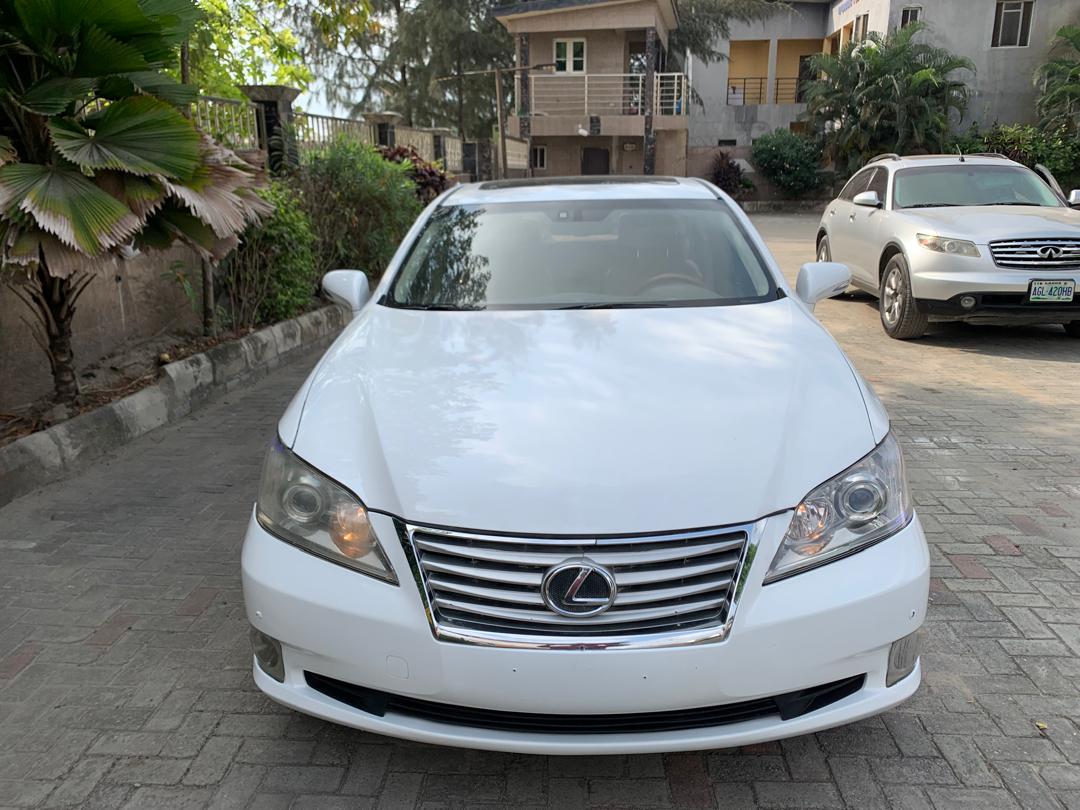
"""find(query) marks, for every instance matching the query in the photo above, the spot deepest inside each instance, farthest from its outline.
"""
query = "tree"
(235, 43)
(97, 158)
(888, 93)
(1058, 104)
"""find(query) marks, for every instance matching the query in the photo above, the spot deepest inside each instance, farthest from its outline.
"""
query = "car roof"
(607, 187)
(908, 161)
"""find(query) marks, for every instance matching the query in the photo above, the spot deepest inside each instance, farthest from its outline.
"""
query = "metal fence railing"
(312, 131)
(790, 91)
(744, 92)
(232, 123)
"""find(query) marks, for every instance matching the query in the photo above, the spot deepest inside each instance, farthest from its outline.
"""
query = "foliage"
(1058, 150)
(236, 43)
(787, 160)
(704, 24)
(727, 175)
(430, 178)
(888, 93)
(96, 157)
(272, 275)
(360, 205)
(1059, 100)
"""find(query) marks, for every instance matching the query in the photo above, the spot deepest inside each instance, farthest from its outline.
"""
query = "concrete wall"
(138, 299)
(625, 153)
(714, 119)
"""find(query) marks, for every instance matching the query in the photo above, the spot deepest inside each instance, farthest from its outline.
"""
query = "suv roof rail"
(988, 154)
(886, 156)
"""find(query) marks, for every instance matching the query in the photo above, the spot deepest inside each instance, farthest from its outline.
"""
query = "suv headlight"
(300, 505)
(864, 504)
(942, 244)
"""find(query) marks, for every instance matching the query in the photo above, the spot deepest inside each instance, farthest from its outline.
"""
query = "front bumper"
(938, 282)
(823, 626)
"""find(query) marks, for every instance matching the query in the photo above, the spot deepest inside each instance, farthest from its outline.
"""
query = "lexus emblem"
(1050, 252)
(578, 588)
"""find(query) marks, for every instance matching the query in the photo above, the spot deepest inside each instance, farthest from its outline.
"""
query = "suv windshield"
(939, 186)
(581, 255)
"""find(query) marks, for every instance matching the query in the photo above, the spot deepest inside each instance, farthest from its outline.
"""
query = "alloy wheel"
(891, 297)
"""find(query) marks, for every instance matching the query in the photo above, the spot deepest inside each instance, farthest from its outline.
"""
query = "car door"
(839, 218)
(865, 233)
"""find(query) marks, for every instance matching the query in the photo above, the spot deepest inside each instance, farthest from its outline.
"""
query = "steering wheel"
(665, 278)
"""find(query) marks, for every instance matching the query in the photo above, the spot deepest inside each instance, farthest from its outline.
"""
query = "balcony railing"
(744, 92)
(607, 94)
(790, 91)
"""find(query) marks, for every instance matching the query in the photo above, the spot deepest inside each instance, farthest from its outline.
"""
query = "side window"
(879, 182)
(856, 184)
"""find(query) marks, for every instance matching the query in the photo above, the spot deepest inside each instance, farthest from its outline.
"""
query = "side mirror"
(1074, 197)
(348, 287)
(869, 199)
(820, 280)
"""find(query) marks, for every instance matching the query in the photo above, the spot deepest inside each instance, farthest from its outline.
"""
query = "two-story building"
(607, 100)
(759, 85)
(613, 99)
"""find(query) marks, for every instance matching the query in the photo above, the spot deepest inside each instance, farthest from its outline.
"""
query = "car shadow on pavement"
(1047, 342)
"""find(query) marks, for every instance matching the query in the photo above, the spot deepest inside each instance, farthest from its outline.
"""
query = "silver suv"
(950, 237)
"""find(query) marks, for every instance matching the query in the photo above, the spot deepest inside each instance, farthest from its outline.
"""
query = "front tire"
(1072, 329)
(899, 316)
(824, 252)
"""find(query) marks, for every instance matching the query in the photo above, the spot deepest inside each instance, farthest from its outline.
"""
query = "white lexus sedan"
(585, 475)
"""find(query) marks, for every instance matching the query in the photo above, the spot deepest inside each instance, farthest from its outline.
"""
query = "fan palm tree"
(888, 93)
(1059, 102)
(97, 158)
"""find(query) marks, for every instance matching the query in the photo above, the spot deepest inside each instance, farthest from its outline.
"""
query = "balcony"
(746, 92)
(614, 94)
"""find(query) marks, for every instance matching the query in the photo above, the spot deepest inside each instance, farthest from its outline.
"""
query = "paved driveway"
(124, 664)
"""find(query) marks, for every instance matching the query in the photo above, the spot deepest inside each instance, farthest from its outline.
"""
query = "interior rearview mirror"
(1074, 197)
(820, 280)
(348, 287)
(870, 199)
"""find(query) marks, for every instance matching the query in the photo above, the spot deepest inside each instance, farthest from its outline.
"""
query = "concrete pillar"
(770, 89)
(274, 102)
(652, 51)
(524, 106)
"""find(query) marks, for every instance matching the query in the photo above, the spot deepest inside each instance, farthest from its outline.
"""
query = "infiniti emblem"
(578, 588)
(1050, 252)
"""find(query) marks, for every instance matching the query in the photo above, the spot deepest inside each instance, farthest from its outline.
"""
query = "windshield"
(940, 186)
(581, 254)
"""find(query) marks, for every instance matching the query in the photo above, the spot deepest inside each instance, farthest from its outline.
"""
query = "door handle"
(832, 212)
(851, 218)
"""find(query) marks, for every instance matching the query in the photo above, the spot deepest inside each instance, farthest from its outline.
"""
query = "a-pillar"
(652, 52)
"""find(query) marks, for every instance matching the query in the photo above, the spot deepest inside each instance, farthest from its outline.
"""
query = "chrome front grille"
(484, 585)
(1037, 254)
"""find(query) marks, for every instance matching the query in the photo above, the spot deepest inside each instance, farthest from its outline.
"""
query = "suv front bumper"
(820, 627)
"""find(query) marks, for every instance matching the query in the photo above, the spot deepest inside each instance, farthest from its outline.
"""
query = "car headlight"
(865, 503)
(942, 244)
(300, 505)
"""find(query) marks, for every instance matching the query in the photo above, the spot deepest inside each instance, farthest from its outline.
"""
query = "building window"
(538, 157)
(862, 25)
(909, 15)
(569, 56)
(726, 142)
(1012, 23)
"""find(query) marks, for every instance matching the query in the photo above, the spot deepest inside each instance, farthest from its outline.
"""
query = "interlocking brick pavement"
(124, 665)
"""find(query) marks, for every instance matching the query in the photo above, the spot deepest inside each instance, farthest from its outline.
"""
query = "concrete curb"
(181, 388)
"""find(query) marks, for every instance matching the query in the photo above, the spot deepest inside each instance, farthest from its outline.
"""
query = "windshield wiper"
(1037, 205)
(438, 307)
(933, 205)
(620, 305)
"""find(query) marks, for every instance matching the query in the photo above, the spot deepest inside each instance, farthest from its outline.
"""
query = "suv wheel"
(1072, 328)
(824, 252)
(899, 317)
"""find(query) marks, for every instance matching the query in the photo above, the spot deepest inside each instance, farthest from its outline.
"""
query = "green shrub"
(1058, 150)
(360, 206)
(727, 175)
(787, 161)
(272, 275)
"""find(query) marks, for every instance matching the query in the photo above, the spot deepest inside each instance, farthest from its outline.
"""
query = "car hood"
(982, 224)
(594, 421)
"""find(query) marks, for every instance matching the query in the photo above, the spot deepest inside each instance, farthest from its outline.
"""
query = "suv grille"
(1037, 254)
(492, 583)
